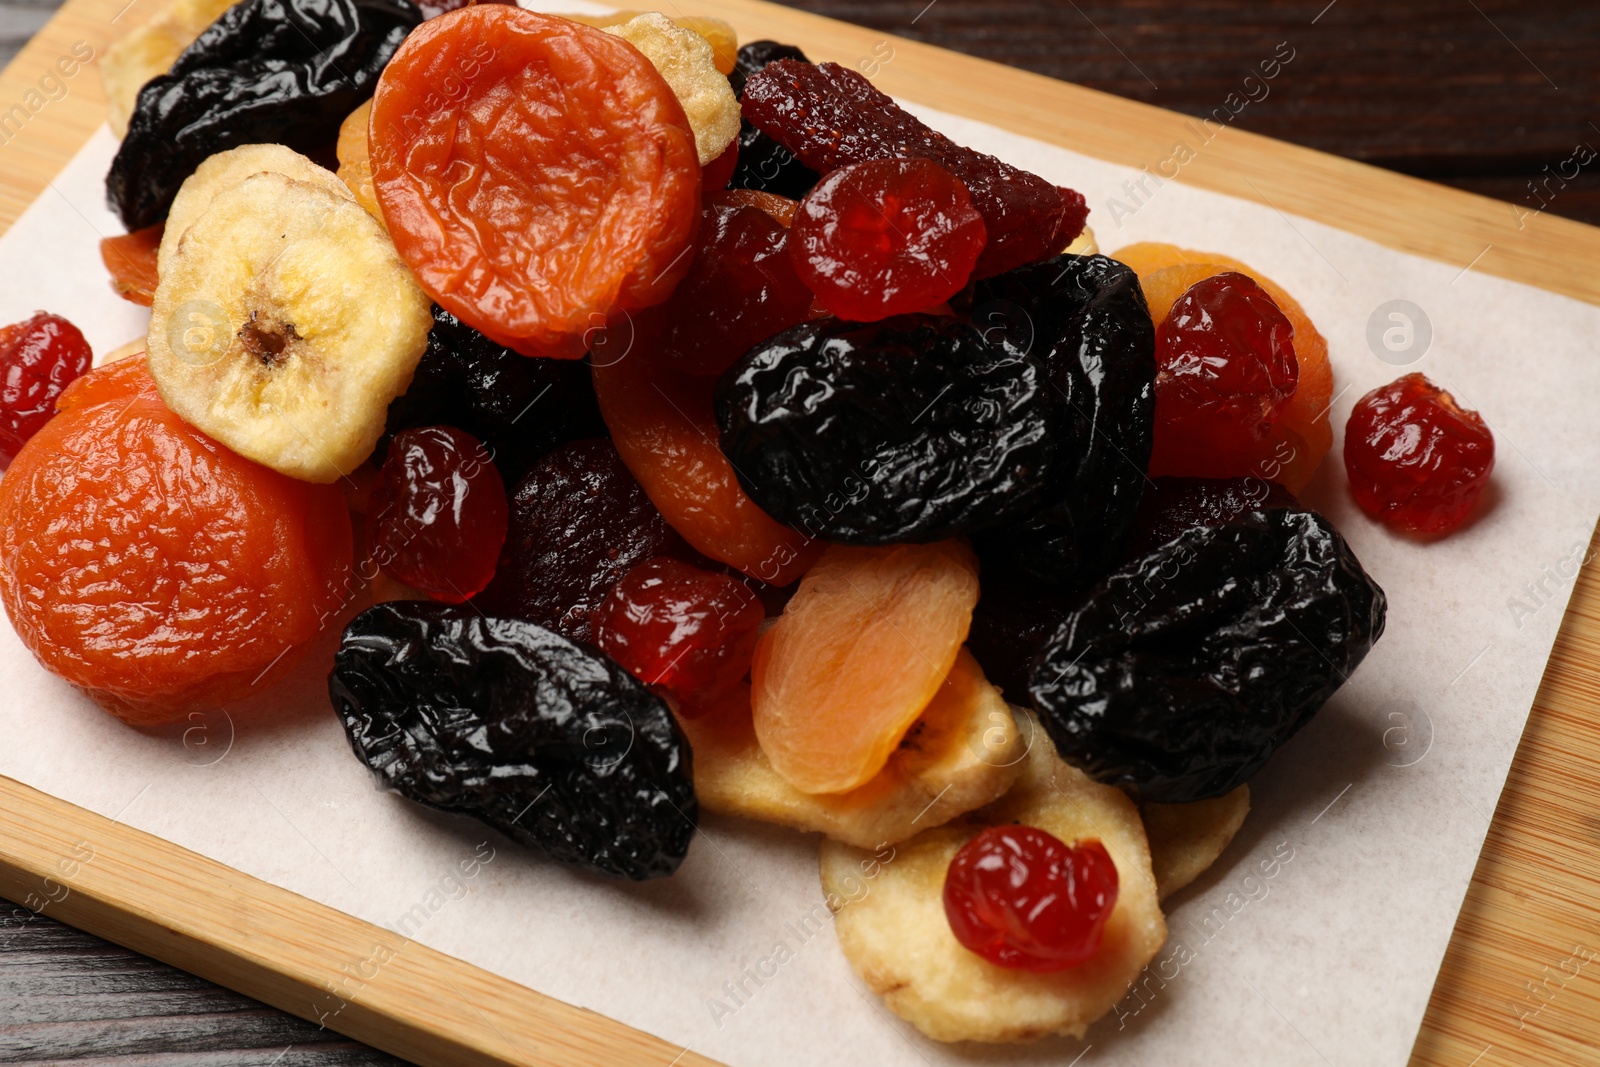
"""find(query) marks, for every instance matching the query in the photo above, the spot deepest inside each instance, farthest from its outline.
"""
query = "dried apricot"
(131, 260)
(153, 568)
(662, 424)
(856, 656)
(535, 174)
(355, 159)
(1300, 434)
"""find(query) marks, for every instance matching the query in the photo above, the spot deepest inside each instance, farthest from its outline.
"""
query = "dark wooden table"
(1500, 97)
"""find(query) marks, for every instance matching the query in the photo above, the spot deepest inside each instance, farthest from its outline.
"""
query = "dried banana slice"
(1185, 839)
(227, 169)
(720, 35)
(284, 324)
(150, 51)
(355, 160)
(685, 59)
(897, 938)
(962, 753)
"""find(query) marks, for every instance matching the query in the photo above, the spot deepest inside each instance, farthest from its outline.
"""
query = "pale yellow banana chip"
(687, 63)
(898, 940)
(284, 324)
(962, 753)
(227, 169)
(1185, 839)
(150, 50)
(722, 37)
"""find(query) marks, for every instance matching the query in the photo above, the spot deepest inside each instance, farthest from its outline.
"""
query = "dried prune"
(1171, 506)
(764, 164)
(266, 72)
(520, 407)
(1084, 318)
(831, 116)
(1186, 668)
(550, 742)
(579, 522)
(910, 429)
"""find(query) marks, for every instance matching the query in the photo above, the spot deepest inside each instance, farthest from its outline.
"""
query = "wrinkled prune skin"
(763, 163)
(831, 116)
(1171, 506)
(550, 742)
(579, 522)
(912, 429)
(1185, 669)
(1085, 319)
(266, 72)
(519, 406)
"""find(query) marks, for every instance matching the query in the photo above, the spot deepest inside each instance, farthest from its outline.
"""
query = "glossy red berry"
(437, 517)
(1225, 369)
(1417, 460)
(39, 357)
(1021, 898)
(886, 237)
(684, 631)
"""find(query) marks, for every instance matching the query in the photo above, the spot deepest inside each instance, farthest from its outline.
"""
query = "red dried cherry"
(438, 513)
(39, 357)
(1417, 460)
(684, 631)
(1021, 898)
(886, 237)
(1225, 369)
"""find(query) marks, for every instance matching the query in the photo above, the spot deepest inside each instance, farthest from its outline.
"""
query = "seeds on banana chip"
(686, 61)
(227, 169)
(1185, 839)
(284, 324)
(898, 939)
(962, 753)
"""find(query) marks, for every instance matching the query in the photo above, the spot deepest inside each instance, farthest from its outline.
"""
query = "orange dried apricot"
(355, 159)
(1301, 435)
(663, 426)
(856, 656)
(131, 260)
(536, 174)
(153, 568)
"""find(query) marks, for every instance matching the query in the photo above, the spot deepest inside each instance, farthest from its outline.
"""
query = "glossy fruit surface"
(662, 424)
(1023, 899)
(39, 357)
(437, 517)
(856, 655)
(886, 237)
(683, 631)
(1417, 460)
(910, 429)
(155, 569)
(130, 259)
(560, 146)
(548, 741)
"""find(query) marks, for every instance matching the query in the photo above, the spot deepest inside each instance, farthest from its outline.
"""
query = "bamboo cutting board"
(1521, 981)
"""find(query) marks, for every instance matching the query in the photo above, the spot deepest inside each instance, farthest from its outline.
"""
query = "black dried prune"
(763, 163)
(266, 72)
(550, 742)
(1186, 668)
(754, 55)
(519, 406)
(1085, 319)
(909, 429)
(579, 522)
(1171, 506)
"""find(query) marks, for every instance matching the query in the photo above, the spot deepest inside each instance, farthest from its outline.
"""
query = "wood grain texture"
(1507, 993)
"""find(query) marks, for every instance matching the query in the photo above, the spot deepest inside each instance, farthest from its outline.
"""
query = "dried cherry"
(886, 237)
(911, 429)
(39, 357)
(578, 523)
(831, 116)
(1183, 670)
(1417, 460)
(265, 72)
(764, 164)
(535, 173)
(550, 742)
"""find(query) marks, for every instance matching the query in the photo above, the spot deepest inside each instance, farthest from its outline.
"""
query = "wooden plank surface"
(1516, 987)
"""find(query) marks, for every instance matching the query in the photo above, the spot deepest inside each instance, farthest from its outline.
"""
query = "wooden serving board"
(1507, 993)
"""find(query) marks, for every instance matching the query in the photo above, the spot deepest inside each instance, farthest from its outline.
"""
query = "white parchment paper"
(1315, 941)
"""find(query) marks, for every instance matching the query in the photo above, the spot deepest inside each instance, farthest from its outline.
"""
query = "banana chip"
(898, 939)
(1185, 839)
(962, 753)
(150, 51)
(687, 62)
(718, 33)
